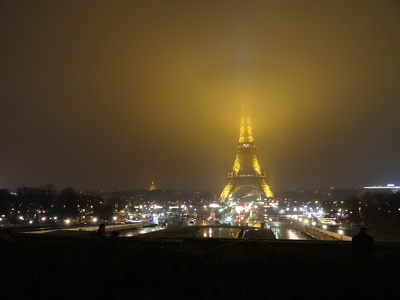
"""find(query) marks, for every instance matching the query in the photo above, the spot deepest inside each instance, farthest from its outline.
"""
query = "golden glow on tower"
(245, 131)
(246, 168)
(256, 165)
(237, 164)
(226, 191)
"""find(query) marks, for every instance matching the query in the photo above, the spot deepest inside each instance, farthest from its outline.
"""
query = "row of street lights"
(313, 223)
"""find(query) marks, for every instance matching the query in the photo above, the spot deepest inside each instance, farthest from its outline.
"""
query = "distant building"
(152, 186)
(391, 187)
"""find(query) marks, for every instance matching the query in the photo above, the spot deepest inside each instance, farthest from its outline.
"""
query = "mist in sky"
(105, 94)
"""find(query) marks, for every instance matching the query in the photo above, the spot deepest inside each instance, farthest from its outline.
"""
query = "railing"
(246, 174)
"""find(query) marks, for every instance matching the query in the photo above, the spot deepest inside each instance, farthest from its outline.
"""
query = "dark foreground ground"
(82, 268)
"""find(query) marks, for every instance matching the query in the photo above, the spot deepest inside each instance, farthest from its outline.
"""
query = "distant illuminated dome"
(152, 186)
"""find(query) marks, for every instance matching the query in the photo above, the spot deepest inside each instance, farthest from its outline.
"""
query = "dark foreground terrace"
(74, 266)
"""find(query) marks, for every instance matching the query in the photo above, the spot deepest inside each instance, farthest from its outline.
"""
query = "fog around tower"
(100, 94)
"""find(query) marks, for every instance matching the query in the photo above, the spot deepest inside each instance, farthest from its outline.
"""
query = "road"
(140, 230)
(280, 229)
(283, 230)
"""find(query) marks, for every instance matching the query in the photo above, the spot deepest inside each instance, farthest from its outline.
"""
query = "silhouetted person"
(99, 236)
(362, 242)
(102, 230)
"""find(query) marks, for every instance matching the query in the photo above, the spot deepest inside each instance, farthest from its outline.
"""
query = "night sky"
(116, 94)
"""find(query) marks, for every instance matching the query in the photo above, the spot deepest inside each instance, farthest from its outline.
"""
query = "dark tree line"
(379, 210)
(31, 203)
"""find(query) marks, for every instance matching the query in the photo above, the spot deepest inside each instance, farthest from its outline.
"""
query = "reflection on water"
(292, 235)
(216, 232)
(131, 233)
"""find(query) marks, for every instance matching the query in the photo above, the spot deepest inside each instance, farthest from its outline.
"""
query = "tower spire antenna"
(246, 135)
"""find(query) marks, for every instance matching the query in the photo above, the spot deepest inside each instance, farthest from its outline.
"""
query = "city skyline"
(98, 95)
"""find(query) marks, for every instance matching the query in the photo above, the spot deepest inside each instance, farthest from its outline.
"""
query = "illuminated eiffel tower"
(246, 169)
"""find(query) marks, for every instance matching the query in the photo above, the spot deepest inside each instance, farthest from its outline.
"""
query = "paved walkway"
(322, 234)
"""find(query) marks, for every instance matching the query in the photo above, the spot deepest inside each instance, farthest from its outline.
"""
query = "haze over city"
(104, 95)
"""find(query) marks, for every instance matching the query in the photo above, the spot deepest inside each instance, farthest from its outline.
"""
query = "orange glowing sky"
(103, 94)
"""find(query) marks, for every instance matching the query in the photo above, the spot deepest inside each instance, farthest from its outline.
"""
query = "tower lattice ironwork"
(246, 169)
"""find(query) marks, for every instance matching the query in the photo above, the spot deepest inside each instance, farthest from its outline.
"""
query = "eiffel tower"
(246, 169)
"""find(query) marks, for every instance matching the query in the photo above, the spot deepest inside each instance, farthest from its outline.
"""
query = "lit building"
(152, 186)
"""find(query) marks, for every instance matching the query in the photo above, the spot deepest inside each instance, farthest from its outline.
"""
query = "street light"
(324, 227)
(115, 220)
(94, 221)
(340, 232)
(67, 221)
(313, 225)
